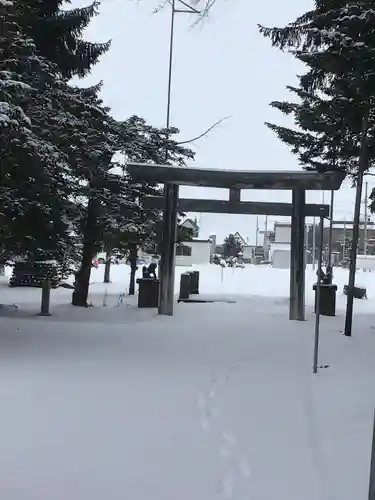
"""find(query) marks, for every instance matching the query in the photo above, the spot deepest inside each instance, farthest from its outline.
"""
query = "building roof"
(190, 223)
(283, 224)
(239, 237)
(196, 240)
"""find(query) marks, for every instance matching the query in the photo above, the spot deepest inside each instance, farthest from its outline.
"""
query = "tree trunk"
(82, 282)
(107, 268)
(133, 268)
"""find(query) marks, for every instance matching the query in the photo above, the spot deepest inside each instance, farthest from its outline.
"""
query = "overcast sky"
(221, 68)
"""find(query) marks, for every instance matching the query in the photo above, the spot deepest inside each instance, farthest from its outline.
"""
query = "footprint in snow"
(244, 468)
(229, 438)
(227, 487)
(225, 452)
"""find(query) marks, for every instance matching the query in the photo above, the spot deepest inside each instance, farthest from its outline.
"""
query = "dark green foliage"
(140, 142)
(32, 168)
(232, 246)
(57, 34)
(32, 274)
(336, 41)
(58, 182)
(372, 201)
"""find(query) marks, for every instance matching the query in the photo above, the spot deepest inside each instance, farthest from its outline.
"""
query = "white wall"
(282, 234)
(281, 259)
(200, 254)
(248, 252)
(366, 262)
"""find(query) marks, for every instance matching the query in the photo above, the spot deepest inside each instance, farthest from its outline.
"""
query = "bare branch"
(189, 9)
(205, 10)
(193, 6)
(161, 6)
(203, 134)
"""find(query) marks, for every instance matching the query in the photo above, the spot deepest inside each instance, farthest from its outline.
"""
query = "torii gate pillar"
(297, 257)
(168, 250)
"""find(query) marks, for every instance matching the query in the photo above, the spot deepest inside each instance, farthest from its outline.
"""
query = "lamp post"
(313, 242)
(330, 231)
(169, 234)
(365, 222)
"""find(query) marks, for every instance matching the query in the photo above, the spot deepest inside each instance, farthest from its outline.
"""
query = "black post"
(371, 493)
(363, 164)
(297, 257)
(329, 263)
(46, 292)
(317, 302)
(184, 287)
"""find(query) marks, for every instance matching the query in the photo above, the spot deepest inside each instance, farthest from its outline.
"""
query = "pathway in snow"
(217, 402)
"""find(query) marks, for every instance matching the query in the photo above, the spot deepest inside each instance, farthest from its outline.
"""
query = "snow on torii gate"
(235, 180)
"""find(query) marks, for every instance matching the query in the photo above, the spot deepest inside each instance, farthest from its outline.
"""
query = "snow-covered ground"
(218, 401)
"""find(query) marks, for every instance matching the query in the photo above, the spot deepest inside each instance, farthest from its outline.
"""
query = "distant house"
(240, 239)
(282, 232)
(194, 252)
(268, 240)
(279, 251)
(192, 225)
(248, 251)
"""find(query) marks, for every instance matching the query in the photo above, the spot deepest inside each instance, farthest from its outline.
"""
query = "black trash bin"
(194, 282)
(327, 299)
(148, 293)
(184, 287)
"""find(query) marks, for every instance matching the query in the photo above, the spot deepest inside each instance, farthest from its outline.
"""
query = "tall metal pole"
(371, 493)
(329, 263)
(365, 224)
(363, 164)
(257, 232)
(317, 304)
(306, 238)
(314, 242)
(169, 236)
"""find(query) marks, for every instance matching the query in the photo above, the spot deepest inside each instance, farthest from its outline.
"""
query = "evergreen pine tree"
(337, 42)
(232, 246)
(31, 175)
(58, 35)
(137, 226)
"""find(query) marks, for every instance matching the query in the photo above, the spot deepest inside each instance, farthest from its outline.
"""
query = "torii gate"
(235, 180)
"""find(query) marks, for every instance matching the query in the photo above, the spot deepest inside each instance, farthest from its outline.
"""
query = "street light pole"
(365, 224)
(314, 242)
(330, 232)
(169, 234)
